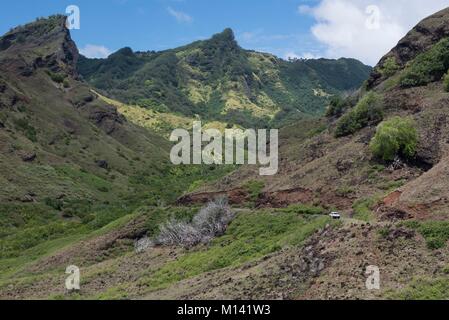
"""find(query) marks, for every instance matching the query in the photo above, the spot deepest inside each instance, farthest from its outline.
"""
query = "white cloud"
(348, 29)
(180, 16)
(95, 51)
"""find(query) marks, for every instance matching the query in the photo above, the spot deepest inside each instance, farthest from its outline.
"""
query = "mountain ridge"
(310, 168)
(83, 185)
(218, 80)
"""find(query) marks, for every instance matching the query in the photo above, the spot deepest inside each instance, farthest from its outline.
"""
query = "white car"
(335, 215)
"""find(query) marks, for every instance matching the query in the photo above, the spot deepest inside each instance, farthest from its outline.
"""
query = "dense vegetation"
(424, 289)
(395, 137)
(368, 111)
(250, 236)
(390, 67)
(436, 233)
(218, 80)
(428, 66)
(210, 222)
(336, 107)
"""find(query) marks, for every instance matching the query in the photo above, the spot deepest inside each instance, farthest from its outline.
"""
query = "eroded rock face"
(102, 164)
(29, 157)
(422, 37)
(106, 117)
(51, 33)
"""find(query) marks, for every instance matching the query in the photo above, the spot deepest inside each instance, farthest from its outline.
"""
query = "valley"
(86, 177)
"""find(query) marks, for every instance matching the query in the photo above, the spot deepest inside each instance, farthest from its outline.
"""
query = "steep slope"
(417, 86)
(219, 80)
(57, 138)
(65, 155)
(292, 251)
(337, 167)
(70, 162)
(395, 211)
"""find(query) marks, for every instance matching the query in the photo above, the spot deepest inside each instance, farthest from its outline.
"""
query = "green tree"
(336, 107)
(390, 67)
(395, 137)
(368, 111)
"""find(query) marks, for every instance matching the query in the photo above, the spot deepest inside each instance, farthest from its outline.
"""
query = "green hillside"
(219, 81)
(69, 161)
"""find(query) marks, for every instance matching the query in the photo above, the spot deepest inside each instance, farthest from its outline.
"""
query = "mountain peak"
(41, 27)
(50, 35)
(126, 51)
(227, 35)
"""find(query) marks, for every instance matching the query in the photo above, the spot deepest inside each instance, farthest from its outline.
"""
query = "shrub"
(178, 233)
(395, 137)
(428, 67)
(28, 130)
(56, 77)
(213, 220)
(384, 232)
(336, 107)
(54, 203)
(303, 209)
(390, 67)
(363, 208)
(368, 111)
(436, 233)
(435, 288)
(254, 188)
(210, 222)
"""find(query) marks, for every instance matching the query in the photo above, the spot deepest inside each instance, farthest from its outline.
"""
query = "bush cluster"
(395, 137)
(368, 111)
(436, 233)
(56, 77)
(210, 222)
(390, 67)
(336, 107)
(428, 67)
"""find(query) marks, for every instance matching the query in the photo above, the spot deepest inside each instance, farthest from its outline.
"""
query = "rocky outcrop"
(422, 37)
(19, 46)
(29, 157)
(106, 117)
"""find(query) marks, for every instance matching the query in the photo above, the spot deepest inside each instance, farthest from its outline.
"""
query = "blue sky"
(268, 25)
(295, 28)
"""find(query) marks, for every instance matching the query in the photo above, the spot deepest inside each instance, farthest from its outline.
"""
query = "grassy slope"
(90, 166)
(342, 173)
(103, 246)
(250, 237)
(220, 81)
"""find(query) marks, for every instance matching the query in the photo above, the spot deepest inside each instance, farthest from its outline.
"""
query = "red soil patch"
(284, 198)
(392, 198)
(235, 196)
